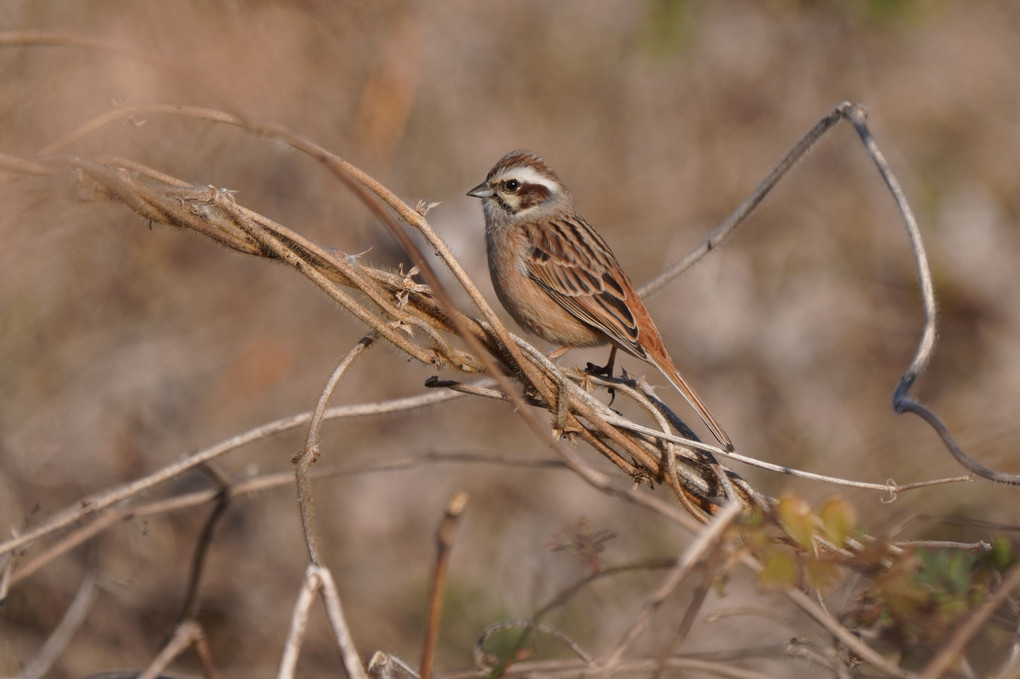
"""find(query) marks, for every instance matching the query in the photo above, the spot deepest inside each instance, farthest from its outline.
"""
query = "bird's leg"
(606, 370)
(559, 352)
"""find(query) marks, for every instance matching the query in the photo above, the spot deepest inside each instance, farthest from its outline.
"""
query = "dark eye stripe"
(532, 194)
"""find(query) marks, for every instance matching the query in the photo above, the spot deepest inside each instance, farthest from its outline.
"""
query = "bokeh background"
(124, 347)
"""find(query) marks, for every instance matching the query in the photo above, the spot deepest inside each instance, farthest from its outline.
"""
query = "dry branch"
(407, 314)
(444, 547)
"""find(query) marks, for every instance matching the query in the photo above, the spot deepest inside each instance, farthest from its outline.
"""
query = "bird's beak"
(481, 191)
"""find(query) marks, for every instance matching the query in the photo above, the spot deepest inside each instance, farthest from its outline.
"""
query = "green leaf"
(780, 569)
(797, 520)
(839, 520)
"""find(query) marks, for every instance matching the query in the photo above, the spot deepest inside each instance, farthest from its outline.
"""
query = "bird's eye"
(511, 185)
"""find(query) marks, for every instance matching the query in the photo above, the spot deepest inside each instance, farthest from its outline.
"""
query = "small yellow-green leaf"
(796, 519)
(779, 569)
(838, 520)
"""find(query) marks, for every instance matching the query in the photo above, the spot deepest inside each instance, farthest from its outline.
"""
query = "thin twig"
(341, 632)
(188, 633)
(564, 595)
(890, 488)
(981, 546)
(61, 636)
(444, 546)
(310, 453)
(318, 580)
(482, 659)
(6, 571)
(730, 225)
(298, 624)
(189, 608)
(901, 401)
(384, 666)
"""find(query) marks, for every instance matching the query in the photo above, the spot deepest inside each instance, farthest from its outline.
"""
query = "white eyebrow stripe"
(529, 175)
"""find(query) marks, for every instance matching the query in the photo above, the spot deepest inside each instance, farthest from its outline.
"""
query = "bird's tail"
(677, 380)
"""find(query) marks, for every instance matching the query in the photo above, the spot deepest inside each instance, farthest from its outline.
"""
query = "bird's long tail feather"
(685, 389)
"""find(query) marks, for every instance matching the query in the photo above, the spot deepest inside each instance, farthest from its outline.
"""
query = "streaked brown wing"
(576, 267)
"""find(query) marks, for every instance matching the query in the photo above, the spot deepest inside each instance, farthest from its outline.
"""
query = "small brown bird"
(558, 278)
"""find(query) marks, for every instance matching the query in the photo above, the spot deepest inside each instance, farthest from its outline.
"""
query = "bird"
(559, 279)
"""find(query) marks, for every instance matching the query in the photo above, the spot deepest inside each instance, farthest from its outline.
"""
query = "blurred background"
(124, 347)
